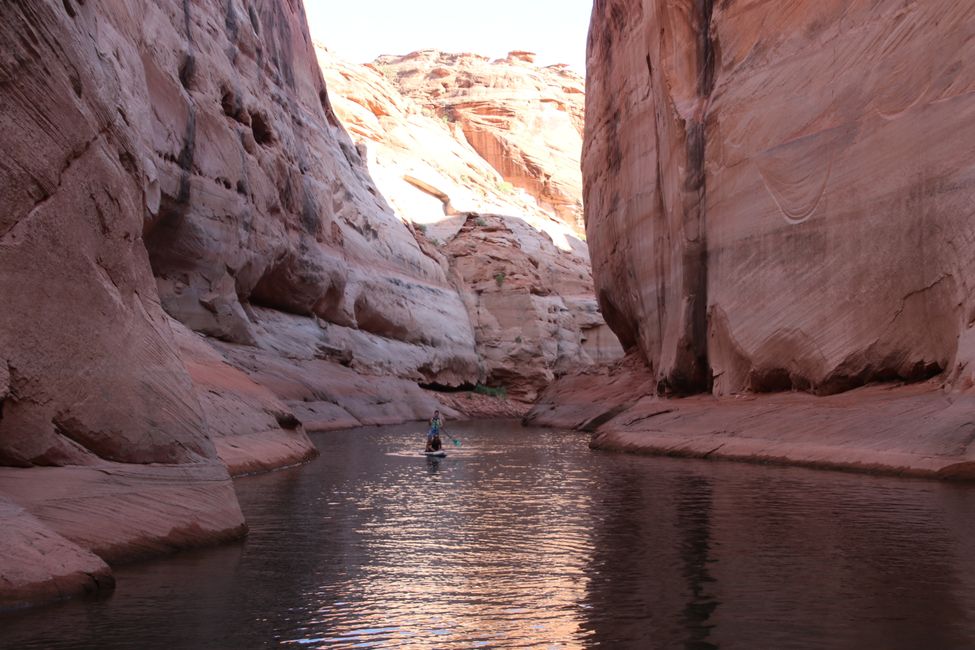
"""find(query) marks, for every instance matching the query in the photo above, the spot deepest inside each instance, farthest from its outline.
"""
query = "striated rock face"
(521, 271)
(778, 200)
(423, 163)
(264, 200)
(768, 212)
(525, 120)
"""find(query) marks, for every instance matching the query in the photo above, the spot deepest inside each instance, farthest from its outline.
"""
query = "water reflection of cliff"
(649, 584)
(777, 558)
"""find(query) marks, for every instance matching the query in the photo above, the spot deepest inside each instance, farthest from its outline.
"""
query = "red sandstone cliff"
(182, 157)
(778, 198)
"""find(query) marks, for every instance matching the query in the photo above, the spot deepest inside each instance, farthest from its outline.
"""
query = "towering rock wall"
(779, 194)
(778, 200)
(182, 157)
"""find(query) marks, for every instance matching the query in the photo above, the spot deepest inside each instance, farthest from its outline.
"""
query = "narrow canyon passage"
(737, 230)
(525, 538)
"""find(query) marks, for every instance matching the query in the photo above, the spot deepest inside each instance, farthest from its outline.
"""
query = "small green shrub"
(498, 392)
(506, 187)
(422, 227)
(518, 339)
(480, 222)
(499, 278)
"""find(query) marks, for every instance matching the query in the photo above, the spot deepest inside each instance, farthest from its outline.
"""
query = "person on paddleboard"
(433, 434)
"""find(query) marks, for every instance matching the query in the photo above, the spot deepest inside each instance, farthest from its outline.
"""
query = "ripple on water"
(528, 539)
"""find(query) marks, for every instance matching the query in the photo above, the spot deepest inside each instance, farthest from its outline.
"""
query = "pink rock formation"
(766, 212)
(40, 565)
(525, 120)
(521, 270)
(531, 302)
(193, 142)
(776, 200)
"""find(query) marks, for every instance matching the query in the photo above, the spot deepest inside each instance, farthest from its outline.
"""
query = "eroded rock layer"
(525, 120)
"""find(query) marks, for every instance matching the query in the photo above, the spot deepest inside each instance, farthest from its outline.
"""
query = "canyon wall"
(778, 196)
(778, 199)
(196, 267)
(520, 267)
(172, 167)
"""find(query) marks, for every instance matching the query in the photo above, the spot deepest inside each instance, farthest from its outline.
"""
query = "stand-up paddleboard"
(435, 454)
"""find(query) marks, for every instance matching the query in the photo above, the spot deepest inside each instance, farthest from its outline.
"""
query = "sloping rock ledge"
(916, 430)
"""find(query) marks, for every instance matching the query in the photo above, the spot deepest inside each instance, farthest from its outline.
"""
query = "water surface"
(526, 538)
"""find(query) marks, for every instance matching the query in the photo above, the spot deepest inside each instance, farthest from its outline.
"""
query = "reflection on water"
(525, 538)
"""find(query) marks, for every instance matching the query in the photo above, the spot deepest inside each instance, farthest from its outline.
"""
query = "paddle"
(452, 439)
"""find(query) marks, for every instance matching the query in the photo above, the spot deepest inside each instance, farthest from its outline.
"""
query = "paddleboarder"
(433, 433)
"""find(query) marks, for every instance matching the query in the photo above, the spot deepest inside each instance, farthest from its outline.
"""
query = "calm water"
(526, 538)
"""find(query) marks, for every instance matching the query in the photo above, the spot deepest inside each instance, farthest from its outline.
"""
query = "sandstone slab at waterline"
(766, 213)
(42, 566)
(251, 428)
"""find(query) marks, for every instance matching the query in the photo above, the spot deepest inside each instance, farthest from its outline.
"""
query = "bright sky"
(360, 30)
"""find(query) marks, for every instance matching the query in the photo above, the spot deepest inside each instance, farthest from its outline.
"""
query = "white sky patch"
(360, 31)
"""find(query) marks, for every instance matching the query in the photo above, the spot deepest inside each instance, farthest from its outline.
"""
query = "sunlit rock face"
(525, 120)
(265, 201)
(779, 197)
(522, 271)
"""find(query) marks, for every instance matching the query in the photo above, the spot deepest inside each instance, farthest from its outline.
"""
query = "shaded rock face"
(521, 270)
(90, 371)
(766, 212)
(525, 120)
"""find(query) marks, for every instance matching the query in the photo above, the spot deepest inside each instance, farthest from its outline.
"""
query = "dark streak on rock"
(187, 70)
(692, 370)
(230, 22)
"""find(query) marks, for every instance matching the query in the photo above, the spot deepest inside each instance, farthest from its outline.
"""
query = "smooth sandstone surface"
(778, 199)
(781, 198)
(42, 566)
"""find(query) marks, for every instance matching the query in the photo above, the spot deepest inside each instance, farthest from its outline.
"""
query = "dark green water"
(526, 538)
